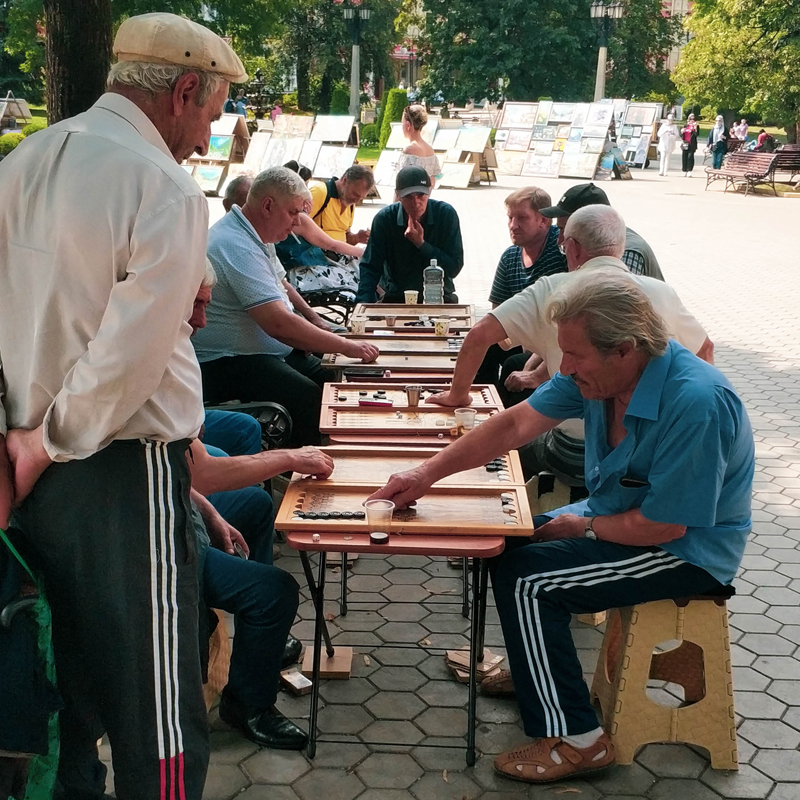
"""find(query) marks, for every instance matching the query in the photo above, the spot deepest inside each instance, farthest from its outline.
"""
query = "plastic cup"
(412, 297)
(358, 325)
(391, 321)
(465, 418)
(441, 326)
(412, 395)
(379, 515)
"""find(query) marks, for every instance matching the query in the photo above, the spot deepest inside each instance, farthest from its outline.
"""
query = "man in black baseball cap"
(638, 255)
(406, 236)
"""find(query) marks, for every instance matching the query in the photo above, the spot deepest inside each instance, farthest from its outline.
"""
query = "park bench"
(733, 145)
(787, 159)
(748, 169)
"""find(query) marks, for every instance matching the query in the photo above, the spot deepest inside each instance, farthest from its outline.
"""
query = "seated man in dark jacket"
(406, 236)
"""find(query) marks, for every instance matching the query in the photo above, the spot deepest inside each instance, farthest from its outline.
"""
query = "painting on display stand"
(265, 125)
(600, 114)
(640, 115)
(543, 148)
(473, 140)
(386, 168)
(500, 139)
(549, 132)
(333, 162)
(592, 145)
(309, 154)
(290, 126)
(594, 131)
(562, 112)
(575, 134)
(447, 138)
(219, 148)
(545, 166)
(510, 162)
(562, 131)
(518, 140)
(543, 114)
(538, 131)
(456, 176)
(579, 117)
(572, 147)
(334, 128)
(558, 145)
(641, 150)
(519, 115)
(279, 151)
(209, 179)
(256, 151)
(578, 165)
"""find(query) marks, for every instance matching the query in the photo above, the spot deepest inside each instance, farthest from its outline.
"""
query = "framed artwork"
(572, 147)
(518, 140)
(396, 140)
(456, 176)
(430, 130)
(264, 125)
(543, 166)
(510, 162)
(543, 114)
(562, 112)
(447, 138)
(579, 117)
(562, 132)
(575, 134)
(333, 162)
(256, 151)
(558, 145)
(636, 130)
(627, 131)
(595, 131)
(647, 130)
(219, 148)
(335, 128)
(386, 168)
(209, 178)
(289, 126)
(640, 115)
(309, 154)
(188, 167)
(600, 114)
(500, 139)
(578, 165)
(538, 131)
(543, 148)
(622, 144)
(641, 150)
(549, 132)
(592, 145)
(519, 115)
(279, 151)
(474, 140)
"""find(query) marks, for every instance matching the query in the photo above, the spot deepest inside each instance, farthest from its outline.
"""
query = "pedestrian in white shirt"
(667, 137)
(102, 248)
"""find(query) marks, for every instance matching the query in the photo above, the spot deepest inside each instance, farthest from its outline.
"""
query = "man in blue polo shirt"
(405, 237)
(669, 468)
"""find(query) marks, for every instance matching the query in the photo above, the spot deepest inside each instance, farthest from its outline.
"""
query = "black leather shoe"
(291, 652)
(266, 728)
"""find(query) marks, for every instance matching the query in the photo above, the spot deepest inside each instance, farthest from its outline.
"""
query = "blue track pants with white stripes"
(538, 586)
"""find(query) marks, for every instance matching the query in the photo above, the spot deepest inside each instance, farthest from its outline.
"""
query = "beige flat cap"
(170, 39)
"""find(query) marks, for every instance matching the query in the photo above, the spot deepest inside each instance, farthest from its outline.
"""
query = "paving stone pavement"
(733, 261)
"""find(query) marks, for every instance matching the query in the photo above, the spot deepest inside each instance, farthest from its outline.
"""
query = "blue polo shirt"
(688, 442)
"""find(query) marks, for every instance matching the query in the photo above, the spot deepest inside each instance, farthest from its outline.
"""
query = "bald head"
(596, 231)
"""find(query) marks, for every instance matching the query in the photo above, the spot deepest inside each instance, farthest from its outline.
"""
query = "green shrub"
(289, 100)
(32, 127)
(8, 141)
(370, 135)
(394, 101)
(340, 99)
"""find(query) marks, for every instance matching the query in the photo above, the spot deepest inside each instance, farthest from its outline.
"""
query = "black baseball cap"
(412, 180)
(584, 194)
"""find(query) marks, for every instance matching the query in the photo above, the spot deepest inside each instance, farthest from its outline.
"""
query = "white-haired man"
(102, 248)
(594, 240)
(669, 460)
(255, 347)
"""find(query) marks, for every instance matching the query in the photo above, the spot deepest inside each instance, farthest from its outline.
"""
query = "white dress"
(430, 164)
(667, 137)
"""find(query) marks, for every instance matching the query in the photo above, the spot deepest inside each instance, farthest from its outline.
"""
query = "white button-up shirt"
(102, 251)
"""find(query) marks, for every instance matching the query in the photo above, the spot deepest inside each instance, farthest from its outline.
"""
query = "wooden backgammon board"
(325, 507)
(462, 316)
(428, 419)
(359, 377)
(375, 465)
(348, 395)
(424, 345)
(395, 362)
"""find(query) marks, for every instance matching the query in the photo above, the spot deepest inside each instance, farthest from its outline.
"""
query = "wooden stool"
(219, 661)
(701, 664)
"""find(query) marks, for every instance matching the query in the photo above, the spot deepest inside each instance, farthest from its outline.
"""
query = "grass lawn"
(778, 133)
(368, 153)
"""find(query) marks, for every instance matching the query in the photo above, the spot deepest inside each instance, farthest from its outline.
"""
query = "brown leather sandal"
(500, 685)
(532, 763)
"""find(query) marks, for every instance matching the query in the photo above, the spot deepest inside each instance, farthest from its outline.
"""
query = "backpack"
(330, 185)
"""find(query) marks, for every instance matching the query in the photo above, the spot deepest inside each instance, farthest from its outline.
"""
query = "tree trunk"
(791, 133)
(78, 54)
(325, 92)
(303, 92)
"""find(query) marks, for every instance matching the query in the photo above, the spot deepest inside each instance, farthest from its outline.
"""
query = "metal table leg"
(464, 587)
(473, 660)
(343, 596)
(481, 600)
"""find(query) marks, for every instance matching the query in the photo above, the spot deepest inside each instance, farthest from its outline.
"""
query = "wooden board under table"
(371, 465)
(396, 362)
(347, 395)
(422, 345)
(466, 510)
(427, 419)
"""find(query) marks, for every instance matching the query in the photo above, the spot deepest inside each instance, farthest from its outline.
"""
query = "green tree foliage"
(745, 56)
(8, 141)
(22, 53)
(394, 101)
(340, 101)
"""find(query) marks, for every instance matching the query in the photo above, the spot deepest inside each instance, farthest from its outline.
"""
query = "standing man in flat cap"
(102, 248)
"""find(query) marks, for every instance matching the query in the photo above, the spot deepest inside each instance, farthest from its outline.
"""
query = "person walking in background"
(689, 145)
(418, 153)
(718, 142)
(667, 136)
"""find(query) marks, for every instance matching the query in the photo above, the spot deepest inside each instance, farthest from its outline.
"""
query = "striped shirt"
(513, 276)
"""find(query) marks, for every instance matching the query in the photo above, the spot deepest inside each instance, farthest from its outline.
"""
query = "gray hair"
(614, 310)
(280, 183)
(598, 229)
(160, 78)
(358, 172)
(209, 276)
(233, 188)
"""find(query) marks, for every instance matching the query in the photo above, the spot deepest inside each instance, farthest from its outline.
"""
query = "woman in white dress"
(667, 137)
(418, 153)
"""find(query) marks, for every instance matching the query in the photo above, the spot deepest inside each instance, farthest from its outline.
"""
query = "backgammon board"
(426, 419)
(347, 395)
(375, 465)
(310, 505)
(426, 345)
(356, 377)
(396, 362)
(462, 316)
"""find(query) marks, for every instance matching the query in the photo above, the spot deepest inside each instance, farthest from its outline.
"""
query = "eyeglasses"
(563, 246)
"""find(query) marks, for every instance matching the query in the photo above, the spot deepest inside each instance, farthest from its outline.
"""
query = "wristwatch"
(588, 531)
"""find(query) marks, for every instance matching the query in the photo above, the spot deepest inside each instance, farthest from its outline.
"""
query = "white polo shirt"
(102, 251)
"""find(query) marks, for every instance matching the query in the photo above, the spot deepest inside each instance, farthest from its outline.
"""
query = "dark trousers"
(233, 432)
(687, 160)
(112, 535)
(514, 363)
(296, 383)
(718, 153)
(495, 357)
(263, 600)
(538, 586)
(251, 512)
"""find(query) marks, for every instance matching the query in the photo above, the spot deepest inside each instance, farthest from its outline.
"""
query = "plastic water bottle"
(433, 284)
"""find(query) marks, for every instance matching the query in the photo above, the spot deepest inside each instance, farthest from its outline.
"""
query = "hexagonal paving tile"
(497, 709)
(397, 679)
(746, 782)
(332, 784)
(672, 761)
(623, 780)
(276, 766)
(444, 586)
(392, 731)
(353, 691)
(416, 562)
(439, 758)
(767, 644)
(339, 754)
(769, 734)
(401, 632)
(410, 612)
(443, 721)
(229, 747)
(403, 593)
(683, 789)
(434, 667)
(754, 623)
(780, 765)
(414, 577)
(367, 583)
(388, 771)
(223, 781)
(400, 656)
(268, 793)
(777, 666)
(432, 786)
(343, 719)
(757, 705)
(444, 693)
(498, 738)
(360, 621)
(446, 623)
(395, 705)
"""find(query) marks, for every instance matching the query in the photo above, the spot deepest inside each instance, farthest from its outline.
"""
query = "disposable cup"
(379, 515)
(465, 418)
(358, 325)
(441, 326)
(412, 297)
(412, 395)
(391, 321)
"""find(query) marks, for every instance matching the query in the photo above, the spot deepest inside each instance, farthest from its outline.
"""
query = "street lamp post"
(355, 16)
(604, 11)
